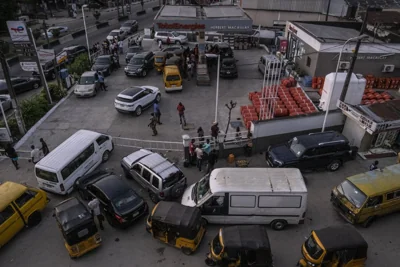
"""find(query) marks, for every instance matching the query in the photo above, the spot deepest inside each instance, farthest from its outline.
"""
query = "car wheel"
(144, 73)
(110, 220)
(154, 198)
(138, 111)
(186, 251)
(334, 165)
(178, 42)
(34, 219)
(158, 98)
(368, 222)
(35, 86)
(278, 225)
(106, 156)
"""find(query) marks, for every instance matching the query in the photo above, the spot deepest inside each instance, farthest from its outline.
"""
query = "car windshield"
(102, 60)
(87, 80)
(113, 33)
(352, 193)
(296, 147)
(126, 201)
(46, 175)
(133, 49)
(173, 78)
(127, 24)
(175, 34)
(137, 61)
(312, 248)
(228, 64)
(200, 189)
(159, 59)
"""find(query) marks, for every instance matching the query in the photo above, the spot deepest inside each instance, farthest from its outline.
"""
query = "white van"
(270, 65)
(276, 196)
(80, 154)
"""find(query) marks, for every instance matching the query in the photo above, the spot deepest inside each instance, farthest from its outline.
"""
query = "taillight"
(62, 187)
(119, 218)
(161, 194)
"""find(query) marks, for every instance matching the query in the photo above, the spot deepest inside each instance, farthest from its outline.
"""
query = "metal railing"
(148, 144)
(22, 154)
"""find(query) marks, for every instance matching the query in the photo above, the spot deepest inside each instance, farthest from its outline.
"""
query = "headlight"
(140, 69)
(310, 263)
(126, 69)
(278, 162)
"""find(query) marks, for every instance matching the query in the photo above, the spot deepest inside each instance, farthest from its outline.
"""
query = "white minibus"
(80, 154)
(276, 196)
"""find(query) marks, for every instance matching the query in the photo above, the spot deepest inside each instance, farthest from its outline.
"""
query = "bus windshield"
(201, 189)
(46, 175)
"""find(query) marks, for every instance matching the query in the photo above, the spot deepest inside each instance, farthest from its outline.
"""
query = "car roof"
(251, 237)
(130, 21)
(131, 91)
(176, 214)
(340, 237)
(316, 139)
(116, 30)
(9, 191)
(72, 213)
(104, 56)
(88, 74)
(112, 186)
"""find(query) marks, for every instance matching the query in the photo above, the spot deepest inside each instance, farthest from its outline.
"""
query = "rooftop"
(382, 112)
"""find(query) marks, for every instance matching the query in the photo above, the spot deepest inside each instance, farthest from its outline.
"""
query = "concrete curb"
(91, 29)
(113, 22)
(66, 38)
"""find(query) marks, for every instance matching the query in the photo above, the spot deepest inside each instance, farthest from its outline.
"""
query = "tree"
(8, 11)
(230, 106)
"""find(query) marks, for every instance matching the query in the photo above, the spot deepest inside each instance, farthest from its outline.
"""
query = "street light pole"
(334, 79)
(217, 92)
(84, 25)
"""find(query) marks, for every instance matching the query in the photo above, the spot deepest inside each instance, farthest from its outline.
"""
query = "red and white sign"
(18, 31)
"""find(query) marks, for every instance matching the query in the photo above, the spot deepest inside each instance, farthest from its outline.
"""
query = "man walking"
(181, 112)
(94, 206)
(157, 112)
(212, 159)
(207, 148)
(45, 148)
(12, 154)
(215, 131)
(121, 47)
(101, 81)
(35, 154)
(192, 154)
(199, 155)
(153, 124)
(374, 166)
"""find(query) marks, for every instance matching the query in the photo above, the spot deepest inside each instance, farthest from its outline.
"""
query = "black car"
(50, 71)
(224, 50)
(20, 84)
(228, 68)
(130, 26)
(140, 64)
(120, 204)
(132, 50)
(316, 150)
(74, 51)
(105, 64)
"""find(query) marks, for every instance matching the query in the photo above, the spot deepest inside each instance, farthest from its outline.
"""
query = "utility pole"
(327, 10)
(15, 105)
(354, 58)
(56, 68)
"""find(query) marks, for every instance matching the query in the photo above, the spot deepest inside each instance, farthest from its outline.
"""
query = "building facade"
(314, 47)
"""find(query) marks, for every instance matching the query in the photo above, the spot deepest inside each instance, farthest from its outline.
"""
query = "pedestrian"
(212, 159)
(168, 41)
(207, 147)
(374, 166)
(12, 154)
(199, 155)
(238, 134)
(192, 154)
(153, 124)
(200, 134)
(192, 68)
(189, 70)
(181, 112)
(103, 86)
(248, 148)
(121, 47)
(45, 148)
(94, 206)
(196, 52)
(160, 44)
(35, 154)
(157, 112)
(215, 131)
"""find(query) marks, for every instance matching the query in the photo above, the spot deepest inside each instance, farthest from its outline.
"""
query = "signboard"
(46, 54)
(18, 31)
(61, 57)
(4, 136)
(204, 25)
(29, 66)
(25, 49)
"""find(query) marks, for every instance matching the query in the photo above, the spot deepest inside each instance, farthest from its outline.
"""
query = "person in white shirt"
(94, 206)
(121, 47)
(35, 154)
(199, 155)
(160, 44)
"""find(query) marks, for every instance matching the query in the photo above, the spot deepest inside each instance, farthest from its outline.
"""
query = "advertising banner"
(46, 54)
(29, 66)
(18, 31)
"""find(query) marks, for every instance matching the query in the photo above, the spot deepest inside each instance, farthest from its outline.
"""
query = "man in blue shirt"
(207, 147)
(157, 112)
(100, 79)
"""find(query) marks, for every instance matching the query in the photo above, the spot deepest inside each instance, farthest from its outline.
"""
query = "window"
(137, 168)
(373, 201)
(25, 197)
(102, 139)
(155, 182)
(146, 175)
(139, 96)
(46, 175)
(308, 62)
(279, 201)
(393, 195)
(243, 201)
(310, 152)
(325, 150)
(6, 214)
(77, 162)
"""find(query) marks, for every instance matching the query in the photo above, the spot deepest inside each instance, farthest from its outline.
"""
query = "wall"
(353, 132)
(327, 64)
(268, 132)
(302, 62)
(266, 17)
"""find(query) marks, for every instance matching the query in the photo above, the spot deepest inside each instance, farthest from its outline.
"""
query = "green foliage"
(36, 33)
(12, 124)
(56, 33)
(56, 92)
(80, 65)
(34, 109)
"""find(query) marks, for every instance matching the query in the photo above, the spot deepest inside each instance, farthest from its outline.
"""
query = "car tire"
(35, 85)
(138, 111)
(110, 221)
(334, 165)
(186, 251)
(177, 42)
(368, 222)
(154, 198)
(158, 98)
(34, 219)
(144, 73)
(278, 225)
(106, 156)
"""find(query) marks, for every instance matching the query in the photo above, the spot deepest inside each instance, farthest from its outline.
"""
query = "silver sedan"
(5, 101)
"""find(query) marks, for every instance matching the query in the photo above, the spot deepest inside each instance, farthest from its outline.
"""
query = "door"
(155, 184)
(308, 160)
(19, 85)
(147, 97)
(372, 208)
(136, 172)
(379, 141)
(91, 158)
(27, 203)
(150, 60)
(392, 203)
(102, 143)
(10, 224)
(324, 155)
(215, 209)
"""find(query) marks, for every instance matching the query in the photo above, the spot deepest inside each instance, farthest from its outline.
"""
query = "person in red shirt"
(181, 112)
(192, 155)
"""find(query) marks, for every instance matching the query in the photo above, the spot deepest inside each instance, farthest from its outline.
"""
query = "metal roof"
(9, 191)
(179, 11)
(226, 12)
(341, 237)
(381, 112)
(62, 155)
(176, 214)
(377, 182)
(374, 3)
(282, 180)
(72, 213)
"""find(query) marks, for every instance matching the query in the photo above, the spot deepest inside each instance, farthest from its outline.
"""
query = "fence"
(148, 144)
(22, 154)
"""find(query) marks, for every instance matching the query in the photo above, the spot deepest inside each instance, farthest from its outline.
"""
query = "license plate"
(173, 85)
(135, 214)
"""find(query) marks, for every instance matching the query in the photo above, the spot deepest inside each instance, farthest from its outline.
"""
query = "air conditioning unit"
(388, 68)
(344, 65)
